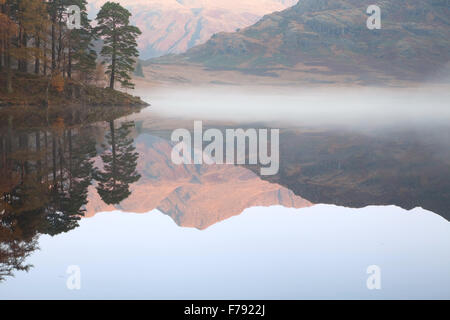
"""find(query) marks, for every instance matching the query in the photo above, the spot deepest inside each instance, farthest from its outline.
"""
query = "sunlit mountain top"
(173, 26)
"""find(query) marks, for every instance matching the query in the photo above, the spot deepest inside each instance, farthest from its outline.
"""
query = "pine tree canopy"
(120, 46)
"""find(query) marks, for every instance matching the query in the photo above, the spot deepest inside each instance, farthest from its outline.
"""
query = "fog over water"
(355, 107)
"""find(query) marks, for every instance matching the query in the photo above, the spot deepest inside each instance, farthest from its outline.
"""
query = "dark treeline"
(46, 174)
(37, 36)
(47, 159)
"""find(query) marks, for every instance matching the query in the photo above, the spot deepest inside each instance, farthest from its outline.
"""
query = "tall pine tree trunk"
(53, 44)
(9, 87)
(113, 71)
(69, 66)
(24, 46)
(2, 41)
(7, 55)
(19, 45)
(46, 156)
(45, 58)
(69, 62)
(113, 149)
(54, 160)
(61, 165)
(60, 44)
(113, 64)
(38, 151)
(69, 137)
(37, 61)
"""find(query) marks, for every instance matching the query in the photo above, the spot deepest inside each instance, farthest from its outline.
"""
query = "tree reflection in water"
(119, 165)
(46, 173)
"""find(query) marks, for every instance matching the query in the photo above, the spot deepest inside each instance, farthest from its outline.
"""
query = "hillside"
(330, 37)
(173, 26)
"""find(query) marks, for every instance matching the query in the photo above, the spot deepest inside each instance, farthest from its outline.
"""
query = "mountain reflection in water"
(193, 195)
(52, 175)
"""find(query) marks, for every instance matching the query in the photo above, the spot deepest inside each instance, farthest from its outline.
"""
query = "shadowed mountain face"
(406, 168)
(173, 26)
(193, 195)
(332, 36)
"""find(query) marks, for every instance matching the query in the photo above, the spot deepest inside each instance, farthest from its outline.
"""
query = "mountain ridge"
(413, 43)
(173, 26)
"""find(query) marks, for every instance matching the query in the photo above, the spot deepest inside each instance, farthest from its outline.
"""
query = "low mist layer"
(351, 107)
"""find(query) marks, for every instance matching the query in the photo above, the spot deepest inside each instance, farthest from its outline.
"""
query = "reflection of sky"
(317, 252)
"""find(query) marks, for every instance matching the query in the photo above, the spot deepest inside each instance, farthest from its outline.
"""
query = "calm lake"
(363, 181)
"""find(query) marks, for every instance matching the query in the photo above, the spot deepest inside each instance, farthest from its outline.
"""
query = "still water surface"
(350, 193)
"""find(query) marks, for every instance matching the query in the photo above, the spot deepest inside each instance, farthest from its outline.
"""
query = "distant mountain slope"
(413, 43)
(195, 196)
(173, 26)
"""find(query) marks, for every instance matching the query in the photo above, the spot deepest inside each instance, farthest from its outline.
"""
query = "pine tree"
(120, 47)
(119, 165)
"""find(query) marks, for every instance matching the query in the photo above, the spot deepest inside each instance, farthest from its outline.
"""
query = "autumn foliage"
(36, 36)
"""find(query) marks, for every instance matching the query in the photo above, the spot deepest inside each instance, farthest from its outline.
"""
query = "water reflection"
(46, 172)
(118, 165)
(54, 173)
(196, 196)
(408, 168)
